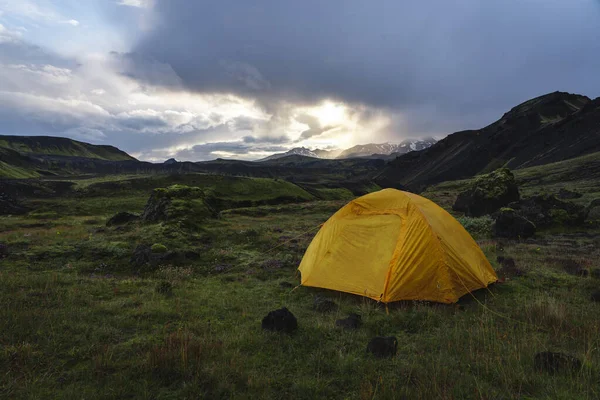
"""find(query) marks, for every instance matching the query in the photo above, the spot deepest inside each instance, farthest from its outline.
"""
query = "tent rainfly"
(393, 245)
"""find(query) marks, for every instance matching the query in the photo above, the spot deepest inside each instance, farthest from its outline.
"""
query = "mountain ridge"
(60, 146)
(372, 150)
(549, 128)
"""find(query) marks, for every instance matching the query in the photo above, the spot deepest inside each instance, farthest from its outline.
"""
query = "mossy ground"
(78, 322)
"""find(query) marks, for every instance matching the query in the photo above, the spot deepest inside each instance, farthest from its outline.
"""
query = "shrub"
(477, 226)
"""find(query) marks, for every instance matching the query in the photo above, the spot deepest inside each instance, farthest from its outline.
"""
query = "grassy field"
(79, 320)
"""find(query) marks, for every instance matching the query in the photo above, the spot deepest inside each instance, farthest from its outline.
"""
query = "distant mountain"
(546, 129)
(296, 151)
(371, 150)
(386, 149)
(170, 161)
(58, 146)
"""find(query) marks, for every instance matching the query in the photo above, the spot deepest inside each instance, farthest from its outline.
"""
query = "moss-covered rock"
(509, 224)
(179, 203)
(488, 193)
(546, 210)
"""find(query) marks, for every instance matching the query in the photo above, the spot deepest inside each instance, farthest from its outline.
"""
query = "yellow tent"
(392, 245)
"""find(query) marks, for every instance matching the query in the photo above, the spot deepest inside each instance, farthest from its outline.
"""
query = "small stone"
(595, 296)
(285, 285)
(281, 320)
(382, 347)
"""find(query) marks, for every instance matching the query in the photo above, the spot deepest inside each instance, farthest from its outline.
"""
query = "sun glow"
(330, 113)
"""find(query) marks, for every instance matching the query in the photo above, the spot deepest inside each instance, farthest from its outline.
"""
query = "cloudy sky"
(198, 80)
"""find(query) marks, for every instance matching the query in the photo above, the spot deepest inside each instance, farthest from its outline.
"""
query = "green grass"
(14, 172)
(79, 321)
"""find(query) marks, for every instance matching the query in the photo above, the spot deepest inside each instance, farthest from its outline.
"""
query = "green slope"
(581, 174)
(58, 146)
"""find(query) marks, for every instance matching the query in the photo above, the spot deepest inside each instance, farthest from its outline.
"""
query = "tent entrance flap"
(361, 249)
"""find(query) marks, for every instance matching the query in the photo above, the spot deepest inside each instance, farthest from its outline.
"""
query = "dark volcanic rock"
(488, 193)
(551, 362)
(281, 320)
(510, 225)
(352, 322)
(595, 297)
(322, 304)
(547, 210)
(121, 218)
(144, 258)
(382, 347)
(566, 194)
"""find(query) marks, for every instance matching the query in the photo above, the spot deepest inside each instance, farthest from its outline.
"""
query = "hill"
(58, 146)
(550, 128)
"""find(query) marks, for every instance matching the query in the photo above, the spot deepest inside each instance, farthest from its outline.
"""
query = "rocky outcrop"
(546, 210)
(509, 224)
(178, 202)
(488, 193)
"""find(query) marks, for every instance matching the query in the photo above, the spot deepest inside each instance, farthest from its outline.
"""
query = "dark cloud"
(453, 57)
(145, 69)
